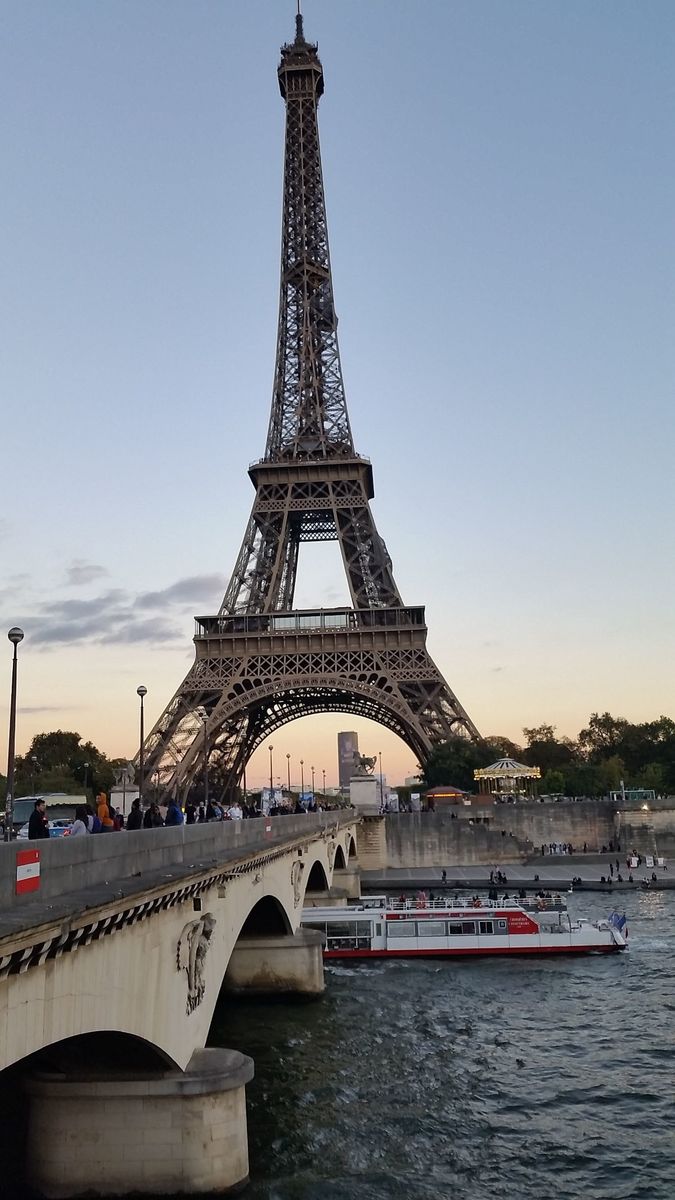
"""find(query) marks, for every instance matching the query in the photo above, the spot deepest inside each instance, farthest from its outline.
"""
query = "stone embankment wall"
(648, 832)
(513, 834)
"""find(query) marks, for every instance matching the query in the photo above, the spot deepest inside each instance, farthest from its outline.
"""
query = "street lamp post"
(86, 776)
(324, 783)
(302, 777)
(142, 692)
(206, 763)
(379, 755)
(288, 772)
(15, 636)
(33, 765)
(271, 748)
(312, 784)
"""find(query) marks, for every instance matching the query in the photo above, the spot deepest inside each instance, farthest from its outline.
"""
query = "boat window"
(457, 928)
(397, 929)
(502, 926)
(320, 925)
(486, 926)
(434, 929)
(341, 928)
(378, 930)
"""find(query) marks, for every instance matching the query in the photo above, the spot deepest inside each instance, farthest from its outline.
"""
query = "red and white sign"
(27, 871)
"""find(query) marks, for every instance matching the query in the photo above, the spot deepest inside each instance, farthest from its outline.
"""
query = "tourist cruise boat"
(381, 927)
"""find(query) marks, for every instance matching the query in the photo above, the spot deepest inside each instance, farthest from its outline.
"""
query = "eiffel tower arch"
(259, 662)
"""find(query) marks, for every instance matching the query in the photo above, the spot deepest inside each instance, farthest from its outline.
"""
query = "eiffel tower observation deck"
(259, 662)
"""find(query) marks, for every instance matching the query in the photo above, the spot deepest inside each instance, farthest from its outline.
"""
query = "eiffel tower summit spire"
(260, 663)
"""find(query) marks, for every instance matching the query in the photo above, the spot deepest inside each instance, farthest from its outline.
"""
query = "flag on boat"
(618, 920)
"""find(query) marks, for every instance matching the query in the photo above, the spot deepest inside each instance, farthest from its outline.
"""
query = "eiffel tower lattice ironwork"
(260, 663)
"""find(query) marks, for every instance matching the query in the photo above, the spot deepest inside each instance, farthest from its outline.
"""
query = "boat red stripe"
(604, 949)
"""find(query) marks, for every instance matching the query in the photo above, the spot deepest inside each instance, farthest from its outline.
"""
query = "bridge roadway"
(109, 977)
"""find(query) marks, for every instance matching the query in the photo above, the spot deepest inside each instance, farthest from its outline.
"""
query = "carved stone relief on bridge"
(193, 945)
(296, 880)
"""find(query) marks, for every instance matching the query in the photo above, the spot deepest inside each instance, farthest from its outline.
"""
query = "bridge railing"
(71, 864)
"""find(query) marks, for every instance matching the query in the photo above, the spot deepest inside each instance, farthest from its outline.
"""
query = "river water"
(507, 1079)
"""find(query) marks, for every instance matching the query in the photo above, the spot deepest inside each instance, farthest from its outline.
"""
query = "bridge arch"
(267, 918)
(242, 721)
(339, 863)
(317, 880)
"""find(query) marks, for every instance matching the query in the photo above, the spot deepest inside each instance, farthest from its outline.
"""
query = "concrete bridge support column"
(371, 840)
(348, 879)
(293, 963)
(162, 1134)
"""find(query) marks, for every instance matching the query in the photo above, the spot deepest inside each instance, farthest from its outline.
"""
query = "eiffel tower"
(259, 662)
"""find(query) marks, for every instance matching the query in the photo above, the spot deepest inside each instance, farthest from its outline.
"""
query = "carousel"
(507, 780)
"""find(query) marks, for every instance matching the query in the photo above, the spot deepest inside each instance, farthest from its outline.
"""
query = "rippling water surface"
(511, 1079)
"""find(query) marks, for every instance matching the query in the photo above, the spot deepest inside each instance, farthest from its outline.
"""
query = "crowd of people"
(104, 818)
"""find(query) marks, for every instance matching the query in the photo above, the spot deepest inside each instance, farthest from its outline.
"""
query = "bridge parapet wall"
(69, 865)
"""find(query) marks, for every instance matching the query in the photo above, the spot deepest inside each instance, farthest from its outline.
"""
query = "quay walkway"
(555, 872)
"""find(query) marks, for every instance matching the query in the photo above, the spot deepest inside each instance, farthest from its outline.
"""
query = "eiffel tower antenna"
(260, 663)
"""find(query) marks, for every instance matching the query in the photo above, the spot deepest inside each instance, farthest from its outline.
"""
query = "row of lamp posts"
(288, 773)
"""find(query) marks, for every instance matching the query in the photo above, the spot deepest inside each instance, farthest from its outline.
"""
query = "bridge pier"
(159, 1134)
(293, 964)
(348, 879)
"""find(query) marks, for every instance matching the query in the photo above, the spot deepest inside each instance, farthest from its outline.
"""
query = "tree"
(503, 747)
(454, 762)
(652, 775)
(62, 762)
(603, 736)
(552, 784)
(546, 751)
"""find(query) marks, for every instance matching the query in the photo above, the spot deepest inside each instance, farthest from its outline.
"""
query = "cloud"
(28, 710)
(80, 572)
(113, 618)
(196, 589)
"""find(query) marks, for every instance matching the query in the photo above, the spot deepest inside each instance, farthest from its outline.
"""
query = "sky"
(500, 192)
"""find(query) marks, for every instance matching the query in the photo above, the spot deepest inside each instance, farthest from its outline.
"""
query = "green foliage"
(454, 762)
(552, 784)
(609, 750)
(62, 762)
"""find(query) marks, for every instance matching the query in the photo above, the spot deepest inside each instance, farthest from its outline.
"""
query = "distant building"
(348, 746)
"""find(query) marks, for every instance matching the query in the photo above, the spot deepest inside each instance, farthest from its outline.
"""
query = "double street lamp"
(270, 748)
(142, 692)
(205, 719)
(288, 772)
(379, 755)
(15, 636)
(302, 777)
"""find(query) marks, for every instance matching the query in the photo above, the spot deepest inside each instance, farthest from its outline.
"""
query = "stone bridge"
(110, 972)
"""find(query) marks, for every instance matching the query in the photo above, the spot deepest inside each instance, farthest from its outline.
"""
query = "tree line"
(608, 750)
